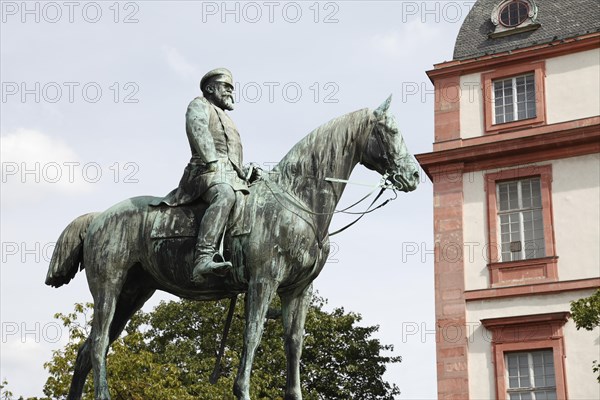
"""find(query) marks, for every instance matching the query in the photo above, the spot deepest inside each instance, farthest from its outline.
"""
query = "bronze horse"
(284, 252)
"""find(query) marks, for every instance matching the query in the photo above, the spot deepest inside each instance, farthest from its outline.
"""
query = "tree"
(586, 314)
(6, 394)
(170, 353)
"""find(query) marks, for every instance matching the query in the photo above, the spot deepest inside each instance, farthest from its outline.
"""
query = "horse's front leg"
(294, 307)
(259, 296)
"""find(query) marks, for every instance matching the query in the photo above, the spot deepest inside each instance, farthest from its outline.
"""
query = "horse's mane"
(322, 151)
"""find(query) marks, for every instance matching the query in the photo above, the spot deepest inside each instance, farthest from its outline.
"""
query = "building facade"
(515, 168)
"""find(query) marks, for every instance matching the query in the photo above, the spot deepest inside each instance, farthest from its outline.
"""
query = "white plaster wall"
(576, 206)
(581, 347)
(471, 106)
(573, 86)
(576, 213)
(475, 231)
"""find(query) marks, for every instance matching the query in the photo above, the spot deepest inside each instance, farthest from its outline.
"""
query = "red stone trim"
(499, 323)
(545, 174)
(515, 56)
(570, 139)
(527, 333)
(447, 109)
(539, 70)
(532, 289)
(524, 271)
(450, 306)
(568, 126)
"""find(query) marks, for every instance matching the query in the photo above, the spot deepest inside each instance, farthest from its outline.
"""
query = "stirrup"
(217, 266)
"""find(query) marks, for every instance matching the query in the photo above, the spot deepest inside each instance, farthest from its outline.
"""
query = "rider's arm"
(197, 118)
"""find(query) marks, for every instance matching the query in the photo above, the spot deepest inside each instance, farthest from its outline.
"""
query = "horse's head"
(386, 152)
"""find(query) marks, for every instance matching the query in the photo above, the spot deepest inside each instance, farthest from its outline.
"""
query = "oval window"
(514, 13)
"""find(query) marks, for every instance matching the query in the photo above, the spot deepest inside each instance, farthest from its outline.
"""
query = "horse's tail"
(68, 253)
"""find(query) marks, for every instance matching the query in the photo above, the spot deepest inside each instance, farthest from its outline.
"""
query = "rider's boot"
(208, 260)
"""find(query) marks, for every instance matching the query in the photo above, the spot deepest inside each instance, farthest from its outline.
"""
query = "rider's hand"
(211, 166)
(253, 172)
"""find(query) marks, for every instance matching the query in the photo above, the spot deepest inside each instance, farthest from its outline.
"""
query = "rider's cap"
(216, 75)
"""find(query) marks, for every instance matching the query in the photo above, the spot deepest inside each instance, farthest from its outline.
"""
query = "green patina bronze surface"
(133, 249)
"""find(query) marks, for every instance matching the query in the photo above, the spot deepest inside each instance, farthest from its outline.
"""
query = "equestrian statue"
(226, 230)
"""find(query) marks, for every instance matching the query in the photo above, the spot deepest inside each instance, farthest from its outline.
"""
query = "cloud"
(35, 165)
(179, 64)
(403, 41)
(23, 357)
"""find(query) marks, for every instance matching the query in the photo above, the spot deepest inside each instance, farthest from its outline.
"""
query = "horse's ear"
(382, 109)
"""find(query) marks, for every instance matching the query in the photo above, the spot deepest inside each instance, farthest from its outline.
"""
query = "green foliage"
(6, 394)
(586, 311)
(169, 353)
(586, 314)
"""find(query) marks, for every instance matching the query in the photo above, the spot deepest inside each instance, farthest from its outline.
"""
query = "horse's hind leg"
(126, 307)
(295, 307)
(132, 298)
(105, 287)
(83, 365)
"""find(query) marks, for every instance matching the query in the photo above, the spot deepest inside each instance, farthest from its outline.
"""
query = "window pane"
(513, 195)
(545, 395)
(509, 116)
(514, 98)
(531, 375)
(524, 223)
(526, 193)
(536, 192)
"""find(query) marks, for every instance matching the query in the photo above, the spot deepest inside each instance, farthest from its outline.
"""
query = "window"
(520, 234)
(514, 98)
(531, 375)
(514, 13)
(513, 16)
(528, 352)
(520, 219)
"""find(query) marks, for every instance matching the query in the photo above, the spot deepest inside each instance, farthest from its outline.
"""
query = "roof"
(558, 19)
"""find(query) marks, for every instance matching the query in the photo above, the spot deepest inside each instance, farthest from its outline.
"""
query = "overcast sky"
(93, 102)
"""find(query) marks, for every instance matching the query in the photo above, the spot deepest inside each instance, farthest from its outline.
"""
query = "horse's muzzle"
(403, 184)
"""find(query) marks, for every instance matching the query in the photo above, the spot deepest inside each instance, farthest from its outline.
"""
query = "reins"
(382, 185)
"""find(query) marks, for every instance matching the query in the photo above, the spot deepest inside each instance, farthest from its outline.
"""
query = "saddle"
(184, 220)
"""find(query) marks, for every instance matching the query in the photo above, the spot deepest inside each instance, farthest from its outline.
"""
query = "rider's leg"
(221, 199)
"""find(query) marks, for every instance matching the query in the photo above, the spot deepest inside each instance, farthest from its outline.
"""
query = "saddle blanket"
(184, 220)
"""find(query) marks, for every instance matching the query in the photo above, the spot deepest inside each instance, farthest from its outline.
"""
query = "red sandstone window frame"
(528, 271)
(487, 80)
(528, 333)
